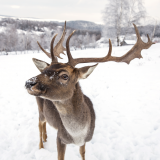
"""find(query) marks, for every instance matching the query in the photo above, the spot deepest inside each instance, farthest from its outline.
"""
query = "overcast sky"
(90, 10)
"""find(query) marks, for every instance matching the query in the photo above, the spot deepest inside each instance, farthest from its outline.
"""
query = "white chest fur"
(77, 131)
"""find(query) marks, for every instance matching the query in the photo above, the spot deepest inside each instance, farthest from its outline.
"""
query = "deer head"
(57, 81)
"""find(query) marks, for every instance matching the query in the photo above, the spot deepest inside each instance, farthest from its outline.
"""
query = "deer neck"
(75, 116)
(73, 105)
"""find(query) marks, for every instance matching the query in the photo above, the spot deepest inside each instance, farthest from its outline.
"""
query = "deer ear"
(41, 65)
(84, 72)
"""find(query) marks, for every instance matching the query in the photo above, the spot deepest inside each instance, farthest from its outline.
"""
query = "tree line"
(22, 35)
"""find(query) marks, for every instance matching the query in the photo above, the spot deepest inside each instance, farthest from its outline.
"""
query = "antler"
(58, 48)
(134, 52)
(54, 59)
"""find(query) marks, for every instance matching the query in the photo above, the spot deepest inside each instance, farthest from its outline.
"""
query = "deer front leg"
(44, 132)
(61, 148)
(40, 134)
(82, 151)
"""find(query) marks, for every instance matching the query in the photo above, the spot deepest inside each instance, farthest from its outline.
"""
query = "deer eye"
(64, 76)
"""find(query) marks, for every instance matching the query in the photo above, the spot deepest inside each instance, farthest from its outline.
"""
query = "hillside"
(84, 25)
(80, 25)
(20, 34)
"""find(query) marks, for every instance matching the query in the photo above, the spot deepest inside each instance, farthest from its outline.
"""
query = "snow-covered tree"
(120, 14)
(11, 38)
(86, 40)
(93, 41)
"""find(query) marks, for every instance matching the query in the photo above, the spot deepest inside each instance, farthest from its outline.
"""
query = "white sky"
(90, 10)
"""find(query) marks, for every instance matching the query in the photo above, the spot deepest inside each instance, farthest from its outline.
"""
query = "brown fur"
(52, 116)
(62, 104)
(82, 151)
(61, 148)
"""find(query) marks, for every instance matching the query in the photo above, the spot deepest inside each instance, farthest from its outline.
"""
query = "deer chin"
(36, 90)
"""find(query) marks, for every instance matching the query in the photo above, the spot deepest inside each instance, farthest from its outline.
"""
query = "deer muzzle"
(34, 87)
(30, 84)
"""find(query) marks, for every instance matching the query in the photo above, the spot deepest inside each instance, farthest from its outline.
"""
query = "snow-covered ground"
(126, 99)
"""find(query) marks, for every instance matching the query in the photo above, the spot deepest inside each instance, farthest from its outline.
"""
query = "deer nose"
(30, 84)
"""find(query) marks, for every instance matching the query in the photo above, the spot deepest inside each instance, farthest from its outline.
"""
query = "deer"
(61, 102)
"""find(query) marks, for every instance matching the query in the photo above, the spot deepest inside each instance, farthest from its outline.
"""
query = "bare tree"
(34, 44)
(74, 42)
(2, 41)
(154, 30)
(135, 13)
(21, 42)
(121, 13)
(86, 40)
(112, 16)
(11, 38)
(93, 41)
(28, 40)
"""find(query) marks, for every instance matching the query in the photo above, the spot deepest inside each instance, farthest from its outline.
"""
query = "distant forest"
(21, 35)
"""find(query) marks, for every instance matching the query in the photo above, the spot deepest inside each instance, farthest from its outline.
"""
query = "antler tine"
(149, 40)
(138, 35)
(146, 45)
(70, 58)
(54, 59)
(137, 32)
(48, 54)
(110, 49)
(59, 47)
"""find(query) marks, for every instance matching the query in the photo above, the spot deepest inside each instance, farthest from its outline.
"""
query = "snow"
(130, 41)
(126, 99)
